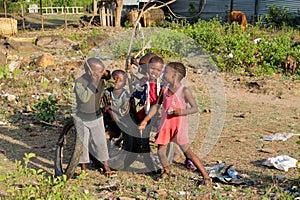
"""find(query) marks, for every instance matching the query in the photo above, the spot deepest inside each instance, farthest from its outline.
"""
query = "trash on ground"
(226, 175)
(282, 162)
(2, 123)
(278, 136)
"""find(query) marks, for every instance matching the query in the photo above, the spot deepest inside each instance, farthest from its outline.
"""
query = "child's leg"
(197, 162)
(149, 162)
(162, 154)
(146, 151)
(177, 155)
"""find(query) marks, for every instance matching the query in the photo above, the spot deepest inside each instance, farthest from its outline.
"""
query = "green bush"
(280, 17)
(46, 109)
(235, 51)
(4, 72)
(29, 183)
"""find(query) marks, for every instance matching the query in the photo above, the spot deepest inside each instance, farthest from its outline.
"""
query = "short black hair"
(92, 62)
(178, 67)
(116, 72)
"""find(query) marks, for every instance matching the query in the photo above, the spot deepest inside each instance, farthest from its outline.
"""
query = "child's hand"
(133, 61)
(96, 78)
(107, 108)
(179, 112)
(142, 125)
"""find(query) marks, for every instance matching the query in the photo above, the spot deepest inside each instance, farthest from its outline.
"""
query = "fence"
(75, 10)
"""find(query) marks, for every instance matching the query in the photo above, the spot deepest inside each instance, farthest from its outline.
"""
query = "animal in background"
(239, 17)
(290, 64)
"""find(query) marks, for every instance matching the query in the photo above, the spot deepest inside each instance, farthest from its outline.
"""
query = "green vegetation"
(47, 109)
(29, 183)
(234, 51)
(4, 72)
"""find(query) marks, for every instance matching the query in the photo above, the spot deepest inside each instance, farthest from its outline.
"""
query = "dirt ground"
(254, 107)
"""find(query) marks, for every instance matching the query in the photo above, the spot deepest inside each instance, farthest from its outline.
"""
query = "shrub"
(280, 17)
(29, 183)
(47, 109)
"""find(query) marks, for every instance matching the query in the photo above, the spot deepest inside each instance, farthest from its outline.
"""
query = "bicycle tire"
(68, 151)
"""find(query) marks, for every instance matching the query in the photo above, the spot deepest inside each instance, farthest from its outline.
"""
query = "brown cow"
(239, 17)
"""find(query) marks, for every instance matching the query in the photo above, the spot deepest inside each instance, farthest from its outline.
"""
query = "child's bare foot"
(163, 176)
(206, 182)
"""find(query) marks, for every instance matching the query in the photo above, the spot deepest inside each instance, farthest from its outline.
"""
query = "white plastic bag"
(281, 162)
(278, 136)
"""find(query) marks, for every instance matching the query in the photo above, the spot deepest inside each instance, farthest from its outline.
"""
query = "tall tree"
(95, 9)
(119, 7)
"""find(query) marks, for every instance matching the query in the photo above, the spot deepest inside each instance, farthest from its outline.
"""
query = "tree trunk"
(4, 5)
(23, 18)
(65, 15)
(95, 7)
(41, 11)
(49, 3)
(119, 7)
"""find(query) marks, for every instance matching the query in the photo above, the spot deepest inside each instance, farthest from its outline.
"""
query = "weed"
(127, 24)
(95, 32)
(29, 183)
(46, 109)
(4, 72)
(44, 82)
(74, 37)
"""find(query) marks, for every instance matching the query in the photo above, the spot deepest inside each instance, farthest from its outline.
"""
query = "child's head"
(144, 61)
(94, 66)
(174, 70)
(120, 78)
(155, 67)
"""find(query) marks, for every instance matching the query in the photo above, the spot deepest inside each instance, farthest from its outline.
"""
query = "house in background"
(212, 8)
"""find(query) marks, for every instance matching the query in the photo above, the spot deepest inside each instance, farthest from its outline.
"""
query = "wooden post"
(95, 7)
(22, 14)
(65, 15)
(103, 17)
(5, 11)
(42, 19)
(118, 11)
(255, 11)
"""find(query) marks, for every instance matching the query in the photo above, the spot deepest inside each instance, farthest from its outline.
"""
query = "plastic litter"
(216, 167)
(226, 175)
(282, 162)
(278, 136)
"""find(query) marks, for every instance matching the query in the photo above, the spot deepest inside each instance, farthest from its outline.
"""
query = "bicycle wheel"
(68, 151)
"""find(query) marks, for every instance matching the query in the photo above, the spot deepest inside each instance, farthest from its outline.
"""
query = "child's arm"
(152, 111)
(187, 94)
(83, 93)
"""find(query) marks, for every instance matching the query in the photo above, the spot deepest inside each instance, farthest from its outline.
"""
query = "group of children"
(135, 114)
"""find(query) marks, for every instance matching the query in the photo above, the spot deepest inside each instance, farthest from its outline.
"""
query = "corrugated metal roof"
(221, 8)
(292, 5)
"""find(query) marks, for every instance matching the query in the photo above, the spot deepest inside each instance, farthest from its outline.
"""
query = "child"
(117, 105)
(88, 119)
(173, 124)
(141, 101)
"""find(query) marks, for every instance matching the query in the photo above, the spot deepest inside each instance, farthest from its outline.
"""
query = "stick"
(133, 33)
(143, 49)
(77, 48)
(164, 4)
